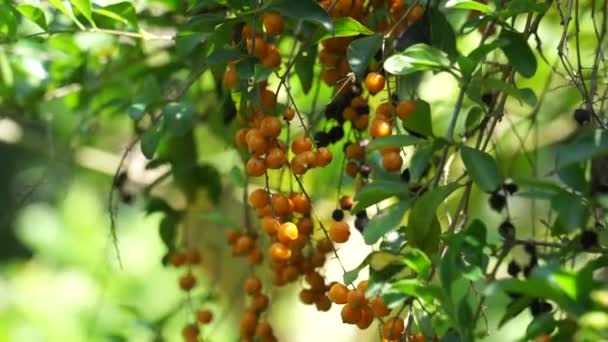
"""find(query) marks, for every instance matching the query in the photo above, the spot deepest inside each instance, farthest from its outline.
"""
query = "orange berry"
(349, 113)
(305, 226)
(309, 158)
(190, 332)
(323, 157)
(266, 211)
(357, 298)
(330, 76)
(192, 257)
(232, 235)
(355, 151)
(374, 82)
(260, 47)
(275, 158)
(379, 308)
(346, 202)
(288, 114)
(350, 314)
(415, 13)
(405, 108)
(281, 205)
(367, 317)
(177, 259)
(259, 303)
(258, 198)
(380, 128)
(270, 225)
(244, 244)
(274, 23)
(392, 161)
(338, 293)
(272, 58)
(352, 169)
(255, 166)
(256, 142)
(291, 273)
(287, 232)
(248, 323)
(187, 281)
(317, 259)
(270, 126)
(253, 285)
(323, 303)
(204, 316)
(339, 232)
(362, 122)
(299, 165)
(418, 338)
(280, 252)
(393, 328)
(301, 144)
(255, 257)
(328, 59)
(316, 281)
(307, 296)
(325, 245)
(263, 330)
(384, 112)
(362, 286)
(301, 203)
(241, 137)
(230, 77)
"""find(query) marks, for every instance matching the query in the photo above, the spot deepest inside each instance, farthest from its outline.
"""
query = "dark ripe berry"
(511, 188)
(530, 267)
(361, 214)
(488, 98)
(539, 306)
(589, 239)
(582, 116)
(507, 230)
(335, 108)
(378, 56)
(336, 133)
(365, 170)
(362, 110)
(337, 215)
(361, 223)
(497, 201)
(513, 269)
(355, 89)
(322, 139)
(394, 99)
(405, 176)
(530, 249)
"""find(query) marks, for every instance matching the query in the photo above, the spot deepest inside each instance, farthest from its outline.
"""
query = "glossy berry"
(280, 252)
(513, 268)
(322, 139)
(374, 82)
(274, 23)
(337, 215)
(392, 161)
(346, 202)
(361, 223)
(287, 232)
(405, 108)
(393, 328)
(538, 307)
(336, 133)
(507, 230)
(405, 176)
(378, 307)
(589, 239)
(255, 166)
(582, 116)
(339, 232)
(301, 144)
(497, 201)
(365, 170)
(350, 314)
(511, 188)
(252, 285)
(366, 319)
(258, 198)
(338, 293)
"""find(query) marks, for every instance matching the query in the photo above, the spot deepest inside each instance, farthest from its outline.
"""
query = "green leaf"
(442, 33)
(419, 57)
(219, 218)
(519, 53)
(421, 158)
(179, 117)
(343, 27)
(68, 12)
(393, 141)
(413, 287)
(84, 6)
(168, 230)
(236, 176)
(474, 117)
(570, 212)
(385, 221)
(418, 261)
(422, 216)
(157, 204)
(305, 67)
(150, 140)
(480, 52)
(223, 56)
(34, 14)
(469, 5)
(350, 276)
(587, 146)
(420, 120)
(136, 110)
(377, 191)
(123, 12)
(524, 94)
(482, 168)
(304, 10)
(8, 24)
(514, 309)
(209, 177)
(361, 51)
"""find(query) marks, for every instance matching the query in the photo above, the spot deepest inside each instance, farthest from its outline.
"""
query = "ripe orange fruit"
(357, 298)
(263, 330)
(288, 114)
(330, 76)
(352, 169)
(190, 332)
(274, 23)
(325, 246)
(241, 137)
(255, 257)
(287, 232)
(280, 252)
(281, 205)
(270, 225)
(378, 307)
(232, 235)
(367, 317)
(260, 47)
(259, 303)
(204, 316)
(269, 99)
(374, 82)
(301, 144)
(346, 202)
(380, 128)
(258, 198)
(362, 122)
(177, 259)
(405, 108)
(392, 161)
(323, 303)
(275, 158)
(301, 203)
(307, 296)
(187, 281)
(272, 58)
(253, 285)
(255, 166)
(339, 232)
(415, 13)
(393, 328)
(248, 323)
(350, 314)
(355, 151)
(230, 77)
(270, 126)
(305, 226)
(384, 112)
(323, 157)
(244, 244)
(338, 293)
(418, 338)
(362, 286)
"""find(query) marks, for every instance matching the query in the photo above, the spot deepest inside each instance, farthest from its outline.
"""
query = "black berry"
(507, 230)
(530, 249)
(582, 116)
(361, 214)
(538, 307)
(336, 133)
(488, 98)
(322, 139)
(513, 268)
(511, 188)
(361, 223)
(337, 215)
(405, 176)
(589, 239)
(365, 170)
(498, 201)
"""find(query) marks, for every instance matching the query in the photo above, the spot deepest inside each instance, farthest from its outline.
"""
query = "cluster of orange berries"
(250, 324)
(187, 282)
(261, 140)
(357, 308)
(244, 244)
(305, 159)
